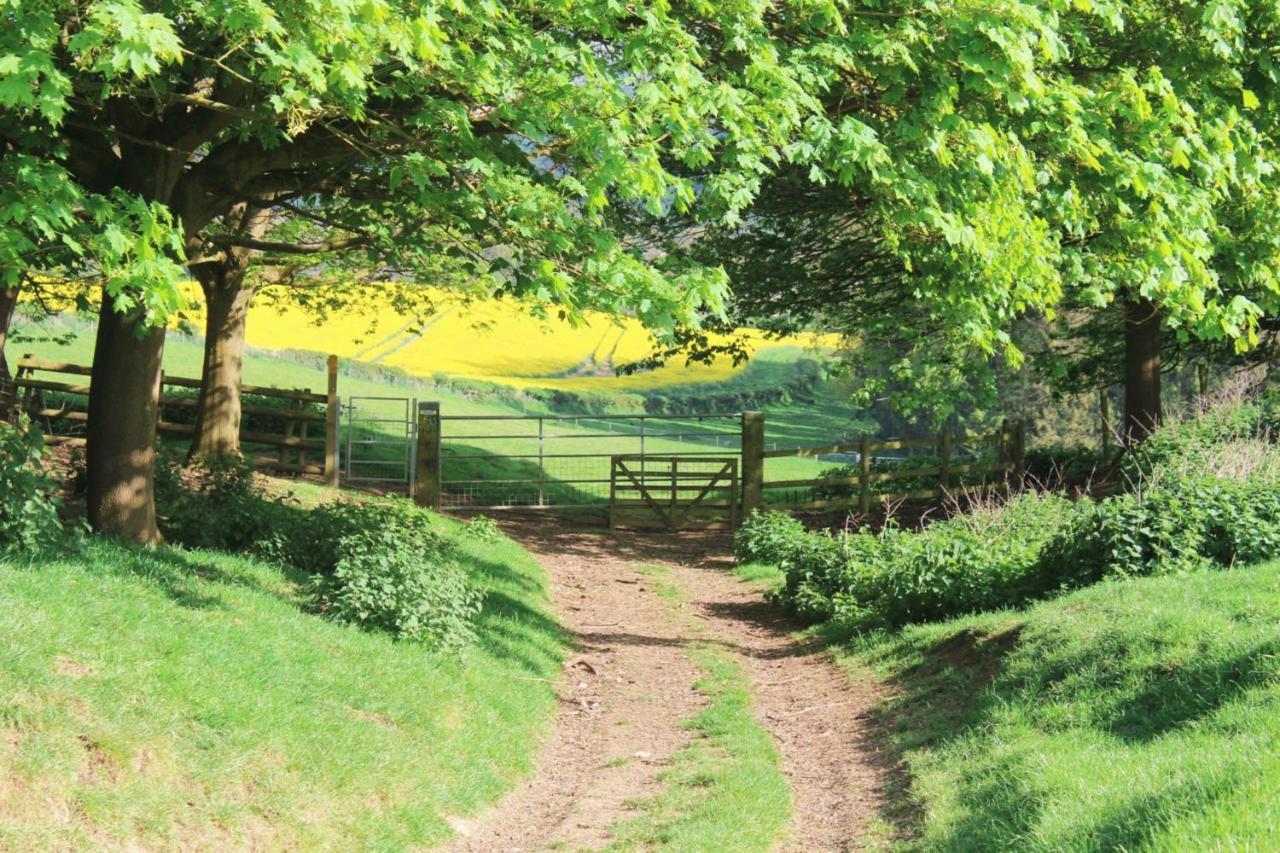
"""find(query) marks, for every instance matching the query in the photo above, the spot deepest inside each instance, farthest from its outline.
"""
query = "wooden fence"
(942, 473)
(308, 443)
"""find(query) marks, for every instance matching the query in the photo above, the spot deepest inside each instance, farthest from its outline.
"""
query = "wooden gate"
(673, 492)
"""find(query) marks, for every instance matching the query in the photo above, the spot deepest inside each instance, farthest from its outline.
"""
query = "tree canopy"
(979, 162)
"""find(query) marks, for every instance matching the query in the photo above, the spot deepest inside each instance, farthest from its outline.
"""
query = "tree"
(315, 265)
(981, 164)
(488, 121)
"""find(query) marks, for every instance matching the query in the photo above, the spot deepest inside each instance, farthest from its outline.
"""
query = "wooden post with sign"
(331, 426)
(426, 483)
(752, 462)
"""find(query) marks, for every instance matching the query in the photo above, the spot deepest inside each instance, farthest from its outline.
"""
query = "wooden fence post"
(864, 475)
(1104, 406)
(331, 426)
(752, 461)
(426, 483)
(1019, 450)
(945, 440)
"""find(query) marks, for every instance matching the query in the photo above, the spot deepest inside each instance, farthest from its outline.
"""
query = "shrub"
(215, 503)
(1184, 524)
(1233, 442)
(482, 528)
(1051, 466)
(1004, 557)
(767, 537)
(381, 564)
(1207, 494)
(405, 587)
(311, 540)
(987, 558)
(29, 519)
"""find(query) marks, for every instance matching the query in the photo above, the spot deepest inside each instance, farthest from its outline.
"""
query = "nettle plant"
(29, 520)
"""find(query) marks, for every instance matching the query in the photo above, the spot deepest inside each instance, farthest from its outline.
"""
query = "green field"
(176, 699)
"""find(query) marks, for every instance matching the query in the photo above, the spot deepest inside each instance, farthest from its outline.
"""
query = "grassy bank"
(183, 699)
(1135, 714)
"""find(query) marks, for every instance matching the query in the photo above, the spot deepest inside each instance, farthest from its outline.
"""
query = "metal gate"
(381, 435)
(673, 492)
(564, 461)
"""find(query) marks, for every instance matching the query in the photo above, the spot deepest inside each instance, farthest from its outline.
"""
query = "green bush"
(987, 558)
(1190, 446)
(482, 528)
(1053, 465)
(767, 536)
(381, 564)
(1206, 493)
(1004, 557)
(410, 588)
(311, 540)
(1184, 524)
(214, 503)
(29, 520)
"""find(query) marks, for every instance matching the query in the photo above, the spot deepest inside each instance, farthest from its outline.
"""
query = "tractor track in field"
(629, 684)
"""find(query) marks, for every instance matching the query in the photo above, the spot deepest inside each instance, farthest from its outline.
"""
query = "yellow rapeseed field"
(494, 341)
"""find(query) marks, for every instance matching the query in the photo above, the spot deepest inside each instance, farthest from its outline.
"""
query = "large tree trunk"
(227, 310)
(218, 413)
(124, 400)
(1143, 411)
(8, 395)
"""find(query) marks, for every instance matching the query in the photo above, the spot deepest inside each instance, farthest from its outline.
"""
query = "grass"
(724, 790)
(763, 576)
(1139, 714)
(184, 699)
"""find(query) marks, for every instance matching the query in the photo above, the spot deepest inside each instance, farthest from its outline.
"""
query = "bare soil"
(629, 685)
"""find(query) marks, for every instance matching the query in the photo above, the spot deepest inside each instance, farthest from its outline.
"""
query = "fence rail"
(295, 446)
(1009, 445)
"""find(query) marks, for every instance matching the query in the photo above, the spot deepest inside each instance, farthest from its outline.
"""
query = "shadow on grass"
(178, 574)
(960, 687)
(510, 624)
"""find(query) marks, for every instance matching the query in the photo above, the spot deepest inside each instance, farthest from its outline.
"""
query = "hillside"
(177, 699)
(501, 342)
(1137, 714)
(822, 416)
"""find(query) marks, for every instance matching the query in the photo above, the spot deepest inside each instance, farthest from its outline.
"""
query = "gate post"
(752, 462)
(331, 426)
(426, 484)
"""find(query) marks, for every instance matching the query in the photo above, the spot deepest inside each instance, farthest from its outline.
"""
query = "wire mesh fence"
(378, 440)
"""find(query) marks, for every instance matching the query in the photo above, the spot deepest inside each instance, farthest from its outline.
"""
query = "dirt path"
(629, 685)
